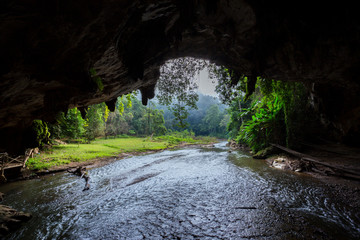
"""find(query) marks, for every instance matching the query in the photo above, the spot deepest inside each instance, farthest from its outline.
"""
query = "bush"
(41, 132)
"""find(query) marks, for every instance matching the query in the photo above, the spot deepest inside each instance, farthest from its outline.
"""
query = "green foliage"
(177, 87)
(212, 118)
(94, 122)
(70, 125)
(215, 121)
(41, 132)
(177, 81)
(276, 112)
(181, 114)
(195, 118)
(96, 79)
(146, 120)
(129, 98)
(64, 154)
(177, 90)
(125, 100)
(157, 122)
(230, 86)
(176, 137)
(130, 117)
(262, 127)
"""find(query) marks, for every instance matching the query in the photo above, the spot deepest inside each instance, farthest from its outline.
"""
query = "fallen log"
(305, 157)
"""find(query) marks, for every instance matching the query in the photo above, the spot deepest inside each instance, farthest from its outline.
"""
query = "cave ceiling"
(49, 50)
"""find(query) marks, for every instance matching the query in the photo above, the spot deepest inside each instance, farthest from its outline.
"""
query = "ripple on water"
(189, 194)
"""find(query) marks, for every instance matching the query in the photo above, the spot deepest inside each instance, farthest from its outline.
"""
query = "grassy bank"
(64, 154)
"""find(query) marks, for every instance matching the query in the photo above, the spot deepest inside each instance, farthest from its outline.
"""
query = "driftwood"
(28, 154)
(344, 172)
(5, 162)
(81, 171)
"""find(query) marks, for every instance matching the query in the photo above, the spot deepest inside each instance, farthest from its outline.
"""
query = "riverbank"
(336, 165)
(336, 161)
(101, 152)
(193, 182)
(343, 188)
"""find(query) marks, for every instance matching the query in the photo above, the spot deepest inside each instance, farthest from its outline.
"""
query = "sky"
(206, 85)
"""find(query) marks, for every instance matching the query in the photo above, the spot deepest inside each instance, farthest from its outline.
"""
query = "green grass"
(64, 154)
(191, 140)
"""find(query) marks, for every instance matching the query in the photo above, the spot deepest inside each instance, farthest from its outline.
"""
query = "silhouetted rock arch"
(49, 47)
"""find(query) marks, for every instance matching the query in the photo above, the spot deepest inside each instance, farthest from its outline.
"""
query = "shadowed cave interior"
(51, 48)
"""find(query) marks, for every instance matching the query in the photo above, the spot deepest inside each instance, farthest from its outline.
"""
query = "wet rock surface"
(11, 219)
(197, 193)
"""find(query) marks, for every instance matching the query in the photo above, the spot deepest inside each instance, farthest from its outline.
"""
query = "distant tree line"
(210, 118)
(132, 118)
(129, 118)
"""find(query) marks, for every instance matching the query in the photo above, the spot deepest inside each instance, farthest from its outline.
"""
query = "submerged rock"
(279, 163)
(287, 163)
(234, 145)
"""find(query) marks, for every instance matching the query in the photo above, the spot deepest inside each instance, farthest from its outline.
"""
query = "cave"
(58, 55)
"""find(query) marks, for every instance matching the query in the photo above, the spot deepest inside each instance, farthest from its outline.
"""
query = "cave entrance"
(185, 92)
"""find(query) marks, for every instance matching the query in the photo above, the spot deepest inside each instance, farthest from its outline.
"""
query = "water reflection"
(197, 193)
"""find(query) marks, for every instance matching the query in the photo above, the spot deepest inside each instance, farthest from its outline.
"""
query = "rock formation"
(10, 219)
(57, 55)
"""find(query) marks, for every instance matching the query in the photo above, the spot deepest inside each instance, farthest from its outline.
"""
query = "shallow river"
(194, 193)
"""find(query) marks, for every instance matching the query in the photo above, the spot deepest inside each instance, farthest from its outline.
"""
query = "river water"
(193, 193)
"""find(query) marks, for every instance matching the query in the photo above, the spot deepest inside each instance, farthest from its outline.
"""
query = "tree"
(95, 121)
(224, 122)
(129, 117)
(141, 120)
(68, 125)
(230, 86)
(180, 115)
(72, 124)
(40, 133)
(276, 112)
(118, 124)
(156, 121)
(215, 121)
(177, 86)
(212, 118)
(119, 121)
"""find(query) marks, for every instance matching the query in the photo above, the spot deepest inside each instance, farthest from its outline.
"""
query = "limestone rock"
(53, 53)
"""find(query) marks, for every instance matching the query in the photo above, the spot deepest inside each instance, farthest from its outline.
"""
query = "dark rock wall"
(49, 47)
